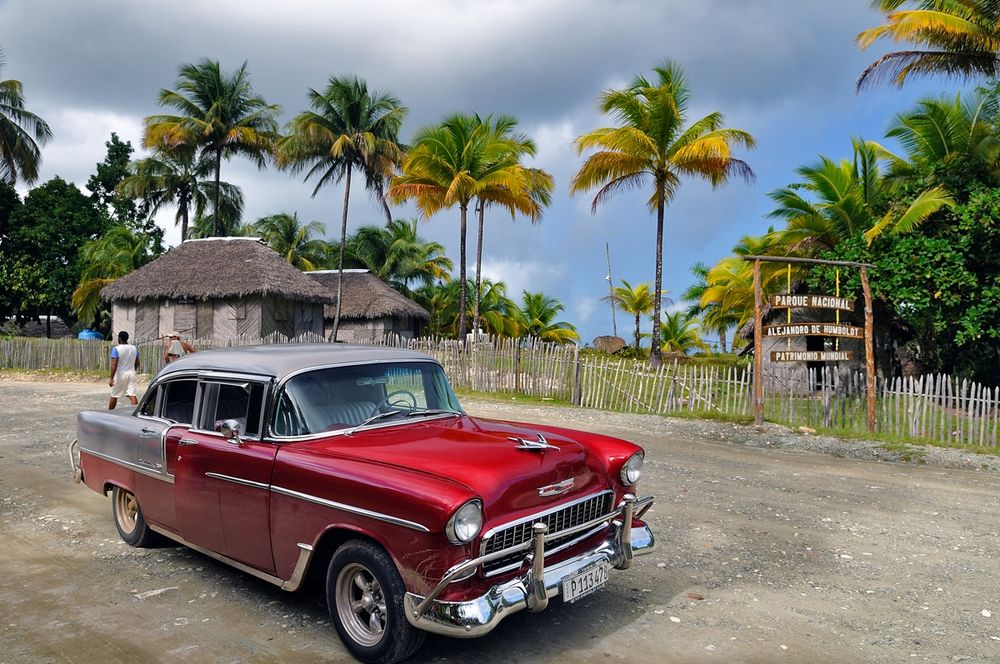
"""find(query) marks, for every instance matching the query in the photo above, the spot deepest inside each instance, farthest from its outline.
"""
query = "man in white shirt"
(124, 365)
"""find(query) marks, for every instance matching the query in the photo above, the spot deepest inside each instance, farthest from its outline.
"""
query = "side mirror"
(230, 430)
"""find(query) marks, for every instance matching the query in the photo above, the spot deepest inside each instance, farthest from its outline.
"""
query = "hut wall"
(123, 317)
(147, 321)
(224, 319)
(354, 329)
(204, 318)
(277, 315)
(308, 318)
(248, 316)
(186, 319)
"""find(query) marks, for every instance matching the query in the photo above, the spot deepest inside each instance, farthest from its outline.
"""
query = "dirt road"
(762, 555)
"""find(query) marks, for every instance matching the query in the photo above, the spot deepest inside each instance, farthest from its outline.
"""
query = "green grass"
(511, 397)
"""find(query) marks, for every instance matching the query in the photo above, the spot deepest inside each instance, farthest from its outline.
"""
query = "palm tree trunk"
(638, 318)
(462, 286)
(216, 221)
(654, 348)
(722, 341)
(481, 209)
(184, 219)
(340, 261)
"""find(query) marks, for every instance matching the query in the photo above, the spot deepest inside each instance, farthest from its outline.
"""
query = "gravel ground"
(771, 546)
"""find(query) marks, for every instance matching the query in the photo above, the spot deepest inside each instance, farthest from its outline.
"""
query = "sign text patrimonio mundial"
(812, 302)
(815, 329)
(811, 355)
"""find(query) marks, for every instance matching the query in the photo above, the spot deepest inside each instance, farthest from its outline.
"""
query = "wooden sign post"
(790, 301)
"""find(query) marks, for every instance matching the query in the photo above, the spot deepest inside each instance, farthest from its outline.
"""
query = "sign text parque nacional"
(812, 302)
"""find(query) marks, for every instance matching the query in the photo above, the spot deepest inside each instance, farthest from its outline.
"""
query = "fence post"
(577, 392)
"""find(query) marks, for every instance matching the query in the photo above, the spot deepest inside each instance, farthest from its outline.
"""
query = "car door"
(222, 486)
(153, 486)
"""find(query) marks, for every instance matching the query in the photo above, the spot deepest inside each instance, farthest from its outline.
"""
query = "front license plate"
(584, 582)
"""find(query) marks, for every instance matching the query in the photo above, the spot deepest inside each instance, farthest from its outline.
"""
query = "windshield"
(345, 397)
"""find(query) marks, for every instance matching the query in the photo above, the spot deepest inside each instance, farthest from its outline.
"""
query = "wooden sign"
(812, 302)
(815, 330)
(812, 355)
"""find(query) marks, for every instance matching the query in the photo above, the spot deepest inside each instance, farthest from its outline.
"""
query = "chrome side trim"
(238, 480)
(387, 518)
(292, 584)
(142, 470)
(561, 506)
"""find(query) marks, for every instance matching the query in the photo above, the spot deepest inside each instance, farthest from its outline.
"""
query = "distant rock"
(609, 344)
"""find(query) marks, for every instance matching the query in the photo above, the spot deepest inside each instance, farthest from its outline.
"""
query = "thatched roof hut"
(218, 288)
(216, 268)
(371, 307)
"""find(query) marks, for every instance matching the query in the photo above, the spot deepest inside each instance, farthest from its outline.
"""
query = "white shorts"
(125, 384)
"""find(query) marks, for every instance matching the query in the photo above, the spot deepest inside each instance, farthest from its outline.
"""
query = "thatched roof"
(366, 296)
(215, 268)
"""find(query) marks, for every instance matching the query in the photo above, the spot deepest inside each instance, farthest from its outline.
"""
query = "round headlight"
(465, 524)
(632, 470)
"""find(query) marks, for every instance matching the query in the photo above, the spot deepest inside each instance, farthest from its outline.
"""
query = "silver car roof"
(280, 360)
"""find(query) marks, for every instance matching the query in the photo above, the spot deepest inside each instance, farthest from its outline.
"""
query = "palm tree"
(531, 201)
(953, 37)
(397, 255)
(730, 281)
(957, 133)
(21, 134)
(178, 178)
(500, 315)
(113, 255)
(294, 241)
(844, 200)
(713, 317)
(219, 114)
(348, 128)
(452, 164)
(537, 318)
(679, 333)
(652, 142)
(635, 300)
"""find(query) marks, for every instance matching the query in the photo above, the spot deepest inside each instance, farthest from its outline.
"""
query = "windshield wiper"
(374, 418)
(433, 411)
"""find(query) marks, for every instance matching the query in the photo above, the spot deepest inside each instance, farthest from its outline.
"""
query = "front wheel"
(128, 519)
(364, 593)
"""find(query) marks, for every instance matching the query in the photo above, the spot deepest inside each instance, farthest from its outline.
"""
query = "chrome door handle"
(184, 442)
(148, 430)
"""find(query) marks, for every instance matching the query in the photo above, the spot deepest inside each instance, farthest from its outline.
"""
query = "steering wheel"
(406, 399)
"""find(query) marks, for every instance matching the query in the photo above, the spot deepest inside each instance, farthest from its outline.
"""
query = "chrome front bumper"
(531, 590)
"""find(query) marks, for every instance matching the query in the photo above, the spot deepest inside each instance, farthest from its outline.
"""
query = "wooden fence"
(934, 408)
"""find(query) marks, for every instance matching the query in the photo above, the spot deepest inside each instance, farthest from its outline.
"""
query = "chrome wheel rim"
(361, 604)
(126, 509)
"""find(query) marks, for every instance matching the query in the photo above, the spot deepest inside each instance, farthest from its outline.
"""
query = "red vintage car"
(360, 461)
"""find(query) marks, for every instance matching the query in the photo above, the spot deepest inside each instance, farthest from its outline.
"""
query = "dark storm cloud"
(780, 69)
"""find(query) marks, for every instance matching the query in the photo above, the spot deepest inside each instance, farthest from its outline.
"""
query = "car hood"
(479, 454)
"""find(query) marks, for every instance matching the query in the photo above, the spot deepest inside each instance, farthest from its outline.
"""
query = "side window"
(178, 402)
(233, 401)
(148, 407)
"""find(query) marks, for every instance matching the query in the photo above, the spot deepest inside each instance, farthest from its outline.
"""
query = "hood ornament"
(556, 489)
(540, 444)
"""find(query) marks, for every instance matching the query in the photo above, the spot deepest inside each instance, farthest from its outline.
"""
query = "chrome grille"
(557, 521)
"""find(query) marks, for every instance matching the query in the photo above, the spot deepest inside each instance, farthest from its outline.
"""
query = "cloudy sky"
(783, 70)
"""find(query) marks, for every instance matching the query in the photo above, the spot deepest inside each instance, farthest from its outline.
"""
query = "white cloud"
(528, 276)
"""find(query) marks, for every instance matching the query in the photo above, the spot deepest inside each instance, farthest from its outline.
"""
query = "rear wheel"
(128, 519)
(364, 593)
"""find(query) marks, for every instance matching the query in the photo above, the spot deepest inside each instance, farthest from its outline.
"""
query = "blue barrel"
(90, 335)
